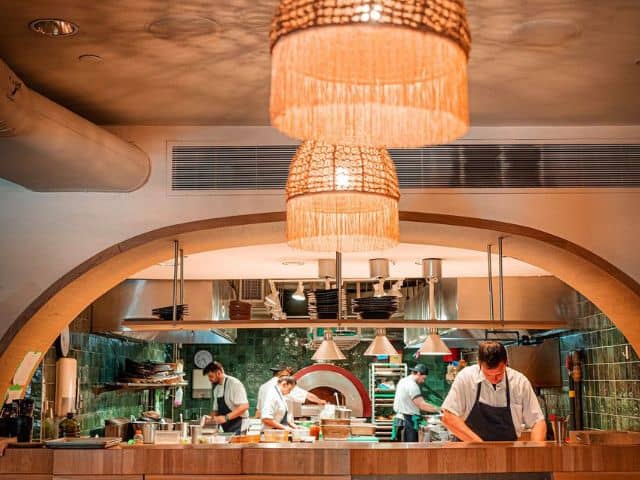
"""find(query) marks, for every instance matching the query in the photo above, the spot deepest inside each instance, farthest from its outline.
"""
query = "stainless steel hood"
(207, 300)
(533, 299)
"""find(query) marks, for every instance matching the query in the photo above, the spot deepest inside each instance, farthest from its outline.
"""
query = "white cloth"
(525, 408)
(298, 394)
(234, 394)
(406, 391)
(275, 406)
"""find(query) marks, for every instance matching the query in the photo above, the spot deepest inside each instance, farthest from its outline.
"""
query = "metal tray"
(83, 443)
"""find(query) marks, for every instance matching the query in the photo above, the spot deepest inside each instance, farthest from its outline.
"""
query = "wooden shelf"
(164, 325)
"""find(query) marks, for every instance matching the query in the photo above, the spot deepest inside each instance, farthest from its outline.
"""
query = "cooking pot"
(148, 431)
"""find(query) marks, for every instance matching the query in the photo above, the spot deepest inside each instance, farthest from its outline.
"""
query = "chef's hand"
(204, 419)
(219, 419)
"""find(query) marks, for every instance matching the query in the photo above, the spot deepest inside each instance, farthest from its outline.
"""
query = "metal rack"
(382, 399)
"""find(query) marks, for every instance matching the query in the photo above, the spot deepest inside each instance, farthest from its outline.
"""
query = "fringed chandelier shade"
(370, 72)
(342, 198)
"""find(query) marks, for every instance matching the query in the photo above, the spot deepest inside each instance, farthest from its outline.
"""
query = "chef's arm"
(424, 406)
(271, 423)
(258, 413)
(235, 413)
(456, 425)
(539, 431)
(315, 399)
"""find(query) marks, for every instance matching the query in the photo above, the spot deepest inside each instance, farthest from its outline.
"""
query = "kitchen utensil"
(84, 443)
(298, 433)
(164, 437)
(117, 427)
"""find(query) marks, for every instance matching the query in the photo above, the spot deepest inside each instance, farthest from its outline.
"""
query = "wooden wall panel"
(26, 461)
(296, 461)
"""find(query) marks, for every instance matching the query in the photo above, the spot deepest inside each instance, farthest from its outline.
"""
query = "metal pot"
(148, 431)
(343, 412)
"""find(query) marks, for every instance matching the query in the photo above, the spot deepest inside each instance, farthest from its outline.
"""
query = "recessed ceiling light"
(90, 58)
(298, 263)
(53, 27)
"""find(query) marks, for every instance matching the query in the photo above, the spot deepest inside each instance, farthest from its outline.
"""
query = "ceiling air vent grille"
(220, 168)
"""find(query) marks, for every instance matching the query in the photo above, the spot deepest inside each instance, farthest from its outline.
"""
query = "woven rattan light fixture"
(342, 199)
(370, 72)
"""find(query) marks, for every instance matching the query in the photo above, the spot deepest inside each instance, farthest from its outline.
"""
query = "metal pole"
(175, 279)
(181, 276)
(500, 279)
(490, 277)
(339, 283)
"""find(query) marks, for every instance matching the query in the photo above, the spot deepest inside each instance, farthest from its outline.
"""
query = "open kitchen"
(315, 239)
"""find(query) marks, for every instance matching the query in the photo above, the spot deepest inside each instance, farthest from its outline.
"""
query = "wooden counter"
(322, 461)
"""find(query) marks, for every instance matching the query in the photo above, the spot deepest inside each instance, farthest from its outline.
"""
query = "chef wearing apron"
(230, 403)
(408, 403)
(491, 402)
(275, 413)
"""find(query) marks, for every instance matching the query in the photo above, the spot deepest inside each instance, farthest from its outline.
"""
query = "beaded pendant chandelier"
(342, 198)
(387, 73)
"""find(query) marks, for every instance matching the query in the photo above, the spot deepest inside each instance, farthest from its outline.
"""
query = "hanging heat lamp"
(433, 345)
(342, 198)
(380, 345)
(387, 73)
(328, 350)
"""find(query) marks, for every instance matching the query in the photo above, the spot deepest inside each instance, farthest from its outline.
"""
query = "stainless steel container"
(343, 412)
(148, 430)
(182, 427)
(196, 430)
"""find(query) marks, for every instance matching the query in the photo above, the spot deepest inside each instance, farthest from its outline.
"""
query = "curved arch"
(612, 290)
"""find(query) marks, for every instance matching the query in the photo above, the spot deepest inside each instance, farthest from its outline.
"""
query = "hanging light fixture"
(370, 72)
(328, 350)
(380, 345)
(342, 199)
(299, 293)
(433, 345)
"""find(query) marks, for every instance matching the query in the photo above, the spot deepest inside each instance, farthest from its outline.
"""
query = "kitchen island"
(326, 461)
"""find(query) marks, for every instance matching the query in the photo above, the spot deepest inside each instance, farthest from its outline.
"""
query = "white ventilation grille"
(262, 167)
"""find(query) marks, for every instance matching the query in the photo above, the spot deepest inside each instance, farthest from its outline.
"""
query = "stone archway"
(613, 291)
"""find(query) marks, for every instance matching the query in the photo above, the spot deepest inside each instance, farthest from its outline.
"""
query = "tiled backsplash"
(100, 361)
(611, 374)
(257, 350)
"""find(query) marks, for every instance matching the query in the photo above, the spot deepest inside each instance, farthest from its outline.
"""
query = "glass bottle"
(69, 427)
(49, 424)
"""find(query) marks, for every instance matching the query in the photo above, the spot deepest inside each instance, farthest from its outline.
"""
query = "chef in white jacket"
(275, 413)
(297, 394)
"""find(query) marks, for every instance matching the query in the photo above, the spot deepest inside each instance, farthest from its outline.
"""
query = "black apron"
(283, 420)
(234, 425)
(493, 424)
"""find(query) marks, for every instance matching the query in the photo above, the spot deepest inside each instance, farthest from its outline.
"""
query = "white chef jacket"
(234, 394)
(525, 408)
(275, 406)
(298, 395)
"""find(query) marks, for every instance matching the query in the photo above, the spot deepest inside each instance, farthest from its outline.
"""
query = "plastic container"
(298, 433)
(276, 436)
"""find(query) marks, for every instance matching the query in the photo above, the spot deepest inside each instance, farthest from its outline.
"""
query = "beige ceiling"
(533, 62)
(277, 260)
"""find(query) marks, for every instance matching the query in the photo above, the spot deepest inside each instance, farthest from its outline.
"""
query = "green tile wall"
(257, 350)
(611, 386)
(100, 360)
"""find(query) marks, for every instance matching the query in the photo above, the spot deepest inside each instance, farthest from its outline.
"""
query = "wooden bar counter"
(326, 461)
